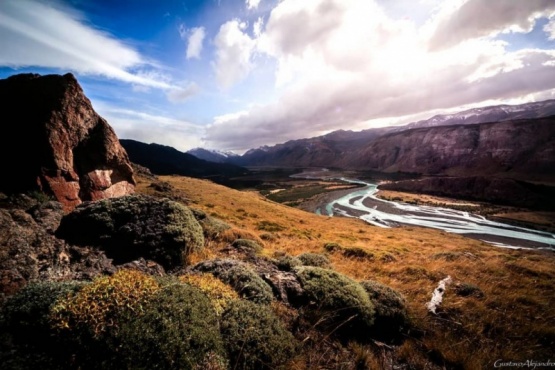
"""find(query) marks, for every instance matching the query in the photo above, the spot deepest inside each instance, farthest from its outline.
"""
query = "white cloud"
(149, 128)
(178, 95)
(345, 63)
(252, 4)
(234, 49)
(195, 37)
(479, 18)
(38, 34)
(550, 29)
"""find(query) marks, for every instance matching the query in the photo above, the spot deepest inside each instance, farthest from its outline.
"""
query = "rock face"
(64, 147)
(521, 149)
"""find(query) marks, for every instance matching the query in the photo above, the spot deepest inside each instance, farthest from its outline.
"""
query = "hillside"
(506, 319)
(165, 160)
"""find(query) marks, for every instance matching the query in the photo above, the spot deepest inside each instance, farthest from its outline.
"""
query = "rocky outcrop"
(522, 149)
(62, 146)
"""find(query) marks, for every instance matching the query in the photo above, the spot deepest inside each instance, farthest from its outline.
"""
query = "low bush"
(219, 293)
(332, 247)
(314, 259)
(247, 246)
(102, 304)
(255, 338)
(287, 263)
(177, 329)
(211, 226)
(339, 304)
(240, 276)
(390, 307)
(131, 227)
(269, 226)
(357, 252)
(26, 314)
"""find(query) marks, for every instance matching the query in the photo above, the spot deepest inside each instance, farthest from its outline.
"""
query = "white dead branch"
(437, 295)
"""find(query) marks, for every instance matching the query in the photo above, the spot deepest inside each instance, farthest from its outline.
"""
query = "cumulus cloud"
(358, 65)
(194, 38)
(479, 18)
(38, 34)
(234, 49)
(550, 29)
(252, 4)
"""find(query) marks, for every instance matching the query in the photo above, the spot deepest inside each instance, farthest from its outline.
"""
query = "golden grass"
(514, 320)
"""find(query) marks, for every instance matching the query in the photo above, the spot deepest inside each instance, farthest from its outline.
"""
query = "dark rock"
(132, 227)
(76, 154)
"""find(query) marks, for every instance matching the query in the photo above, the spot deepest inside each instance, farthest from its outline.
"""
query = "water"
(365, 205)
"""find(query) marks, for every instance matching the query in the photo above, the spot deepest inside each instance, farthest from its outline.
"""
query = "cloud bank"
(344, 63)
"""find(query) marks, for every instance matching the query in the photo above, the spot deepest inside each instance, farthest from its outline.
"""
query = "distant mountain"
(165, 160)
(520, 149)
(215, 156)
(495, 113)
(343, 149)
(322, 151)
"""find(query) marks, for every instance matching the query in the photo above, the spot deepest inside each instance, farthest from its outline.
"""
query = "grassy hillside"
(500, 305)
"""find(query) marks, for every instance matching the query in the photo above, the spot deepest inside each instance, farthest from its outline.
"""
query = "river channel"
(364, 204)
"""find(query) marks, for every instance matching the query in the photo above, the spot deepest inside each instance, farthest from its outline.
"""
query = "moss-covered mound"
(178, 330)
(314, 259)
(247, 246)
(255, 338)
(390, 307)
(337, 303)
(240, 276)
(128, 228)
(212, 227)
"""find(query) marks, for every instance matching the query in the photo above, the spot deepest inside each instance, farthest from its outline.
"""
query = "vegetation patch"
(131, 227)
(339, 304)
(241, 277)
(314, 259)
(287, 263)
(247, 245)
(220, 294)
(177, 329)
(270, 226)
(255, 338)
(468, 290)
(391, 311)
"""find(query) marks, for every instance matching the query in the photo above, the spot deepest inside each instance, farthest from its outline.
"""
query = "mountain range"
(476, 141)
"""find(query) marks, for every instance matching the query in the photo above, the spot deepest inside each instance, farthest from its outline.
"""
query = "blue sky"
(238, 74)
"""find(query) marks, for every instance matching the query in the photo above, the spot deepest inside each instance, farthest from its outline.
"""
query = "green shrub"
(390, 307)
(357, 252)
(255, 338)
(332, 247)
(247, 245)
(338, 303)
(26, 314)
(177, 329)
(131, 227)
(219, 293)
(27, 340)
(211, 226)
(314, 259)
(241, 277)
(270, 226)
(102, 304)
(287, 263)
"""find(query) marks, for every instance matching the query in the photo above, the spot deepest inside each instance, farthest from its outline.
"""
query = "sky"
(240, 74)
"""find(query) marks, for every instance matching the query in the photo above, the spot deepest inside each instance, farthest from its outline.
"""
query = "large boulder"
(75, 154)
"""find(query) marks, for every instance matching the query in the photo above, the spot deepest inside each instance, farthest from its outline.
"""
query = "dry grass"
(514, 320)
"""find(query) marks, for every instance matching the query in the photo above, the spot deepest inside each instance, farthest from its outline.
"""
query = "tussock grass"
(513, 317)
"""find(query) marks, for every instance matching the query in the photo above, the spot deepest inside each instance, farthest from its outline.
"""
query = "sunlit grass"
(513, 320)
